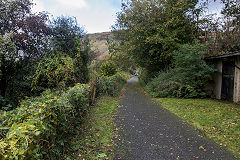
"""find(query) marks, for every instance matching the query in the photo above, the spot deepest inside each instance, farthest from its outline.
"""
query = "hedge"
(111, 85)
(39, 128)
(36, 129)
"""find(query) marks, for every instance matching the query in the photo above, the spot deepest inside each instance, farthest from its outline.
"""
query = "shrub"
(59, 71)
(26, 128)
(144, 77)
(108, 68)
(164, 85)
(111, 85)
(54, 72)
(78, 97)
(123, 61)
(37, 129)
(81, 72)
(94, 69)
(188, 77)
(194, 71)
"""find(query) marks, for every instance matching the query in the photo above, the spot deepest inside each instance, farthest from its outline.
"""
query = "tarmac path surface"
(147, 131)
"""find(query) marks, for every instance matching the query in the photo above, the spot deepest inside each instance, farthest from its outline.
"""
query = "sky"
(93, 15)
(214, 7)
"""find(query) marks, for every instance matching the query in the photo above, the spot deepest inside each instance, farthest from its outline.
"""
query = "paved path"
(150, 132)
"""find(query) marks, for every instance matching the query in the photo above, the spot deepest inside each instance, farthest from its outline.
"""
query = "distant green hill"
(98, 43)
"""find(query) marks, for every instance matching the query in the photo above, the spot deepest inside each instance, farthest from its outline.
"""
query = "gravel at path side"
(150, 132)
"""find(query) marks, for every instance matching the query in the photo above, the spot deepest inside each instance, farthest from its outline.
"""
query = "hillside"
(98, 43)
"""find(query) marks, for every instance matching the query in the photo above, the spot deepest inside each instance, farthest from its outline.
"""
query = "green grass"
(218, 120)
(94, 140)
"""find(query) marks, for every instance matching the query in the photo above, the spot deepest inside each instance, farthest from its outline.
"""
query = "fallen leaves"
(94, 140)
(201, 147)
(218, 120)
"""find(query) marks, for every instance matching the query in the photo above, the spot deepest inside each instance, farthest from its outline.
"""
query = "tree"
(152, 29)
(29, 34)
(33, 39)
(232, 9)
(29, 31)
(6, 46)
(70, 39)
(222, 32)
(56, 71)
(231, 37)
(13, 11)
(67, 35)
(121, 59)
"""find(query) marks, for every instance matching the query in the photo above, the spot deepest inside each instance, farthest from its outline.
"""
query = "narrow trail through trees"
(150, 132)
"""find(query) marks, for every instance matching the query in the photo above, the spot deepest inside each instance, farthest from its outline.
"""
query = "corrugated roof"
(223, 55)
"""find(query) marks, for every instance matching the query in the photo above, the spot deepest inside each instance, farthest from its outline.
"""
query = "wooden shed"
(226, 82)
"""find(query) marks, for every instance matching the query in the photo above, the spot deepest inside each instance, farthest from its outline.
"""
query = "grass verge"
(94, 139)
(218, 120)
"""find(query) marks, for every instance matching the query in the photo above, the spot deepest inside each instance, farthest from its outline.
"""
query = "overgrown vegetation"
(20, 56)
(58, 71)
(37, 53)
(151, 30)
(94, 137)
(186, 79)
(109, 75)
(48, 61)
(37, 129)
(110, 85)
(108, 68)
(222, 32)
(123, 60)
(160, 36)
(216, 119)
(41, 126)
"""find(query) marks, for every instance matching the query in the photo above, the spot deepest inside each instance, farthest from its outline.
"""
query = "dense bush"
(145, 76)
(37, 129)
(111, 85)
(57, 71)
(24, 38)
(108, 68)
(43, 55)
(106, 78)
(188, 77)
(164, 85)
(4, 118)
(69, 38)
(76, 98)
